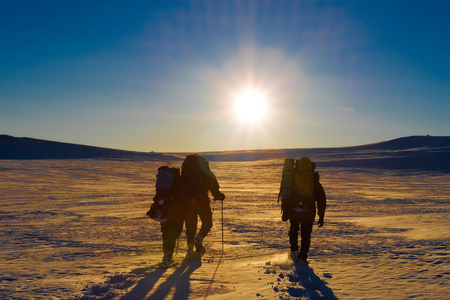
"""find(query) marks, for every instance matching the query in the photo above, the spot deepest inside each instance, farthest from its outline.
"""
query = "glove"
(221, 197)
(320, 222)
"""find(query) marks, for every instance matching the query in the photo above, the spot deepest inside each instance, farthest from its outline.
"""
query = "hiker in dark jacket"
(170, 191)
(199, 180)
(303, 212)
(171, 229)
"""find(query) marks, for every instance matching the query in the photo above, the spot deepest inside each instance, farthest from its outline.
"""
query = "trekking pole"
(222, 227)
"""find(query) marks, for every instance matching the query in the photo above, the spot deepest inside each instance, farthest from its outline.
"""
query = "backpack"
(287, 179)
(195, 165)
(297, 187)
(204, 166)
(286, 189)
(166, 195)
(304, 177)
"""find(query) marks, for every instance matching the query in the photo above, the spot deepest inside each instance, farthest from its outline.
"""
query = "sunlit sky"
(166, 75)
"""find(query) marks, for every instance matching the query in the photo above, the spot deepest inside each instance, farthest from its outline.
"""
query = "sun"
(250, 105)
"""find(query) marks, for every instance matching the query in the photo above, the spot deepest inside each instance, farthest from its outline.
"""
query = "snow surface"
(76, 229)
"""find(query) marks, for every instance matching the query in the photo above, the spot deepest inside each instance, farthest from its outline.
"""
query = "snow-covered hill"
(29, 148)
(407, 153)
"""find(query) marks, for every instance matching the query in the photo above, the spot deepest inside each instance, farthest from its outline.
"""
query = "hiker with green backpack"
(300, 193)
(199, 180)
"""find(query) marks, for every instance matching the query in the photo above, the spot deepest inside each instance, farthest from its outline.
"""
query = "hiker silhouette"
(300, 193)
(168, 208)
(199, 180)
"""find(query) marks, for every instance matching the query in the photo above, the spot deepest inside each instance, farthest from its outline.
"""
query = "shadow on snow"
(305, 283)
(314, 286)
(179, 280)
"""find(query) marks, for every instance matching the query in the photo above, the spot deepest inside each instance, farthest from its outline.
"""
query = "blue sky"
(163, 75)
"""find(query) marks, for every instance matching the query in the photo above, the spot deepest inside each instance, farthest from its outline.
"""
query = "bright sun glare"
(251, 106)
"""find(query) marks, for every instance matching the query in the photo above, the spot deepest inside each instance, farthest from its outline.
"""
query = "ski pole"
(222, 226)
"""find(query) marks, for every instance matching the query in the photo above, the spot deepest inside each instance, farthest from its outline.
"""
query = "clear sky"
(165, 75)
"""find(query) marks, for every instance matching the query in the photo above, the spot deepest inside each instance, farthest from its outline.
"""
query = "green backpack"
(297, 178)
(304, 177)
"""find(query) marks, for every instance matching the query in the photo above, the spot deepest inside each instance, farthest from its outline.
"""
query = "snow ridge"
(29, 148)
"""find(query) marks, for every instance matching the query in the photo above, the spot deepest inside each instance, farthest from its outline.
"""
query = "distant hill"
(404, 143)
(408, 153)
(29, 148)
(410, 142)
(429, 153)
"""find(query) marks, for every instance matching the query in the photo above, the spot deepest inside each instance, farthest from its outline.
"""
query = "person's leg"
(205, 215)
(191, 226)
(168, 241)
(170, 234)
(293, 234)
(293, 239)
(306, 229)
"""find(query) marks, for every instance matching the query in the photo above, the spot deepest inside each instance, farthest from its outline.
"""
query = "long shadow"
(214, 276)
(309, 284)
(144, 286)
(178, 280)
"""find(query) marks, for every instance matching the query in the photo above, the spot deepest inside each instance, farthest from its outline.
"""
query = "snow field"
(77, 230)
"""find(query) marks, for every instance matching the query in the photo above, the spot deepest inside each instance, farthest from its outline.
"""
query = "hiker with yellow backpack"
(300, 193)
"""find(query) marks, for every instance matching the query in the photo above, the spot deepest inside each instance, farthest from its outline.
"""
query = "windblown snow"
(76, 229)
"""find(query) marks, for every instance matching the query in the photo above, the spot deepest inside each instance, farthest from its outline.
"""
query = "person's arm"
(215, 189)
(321, 200)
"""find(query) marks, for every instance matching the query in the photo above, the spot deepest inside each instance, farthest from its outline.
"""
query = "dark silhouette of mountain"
(428, 153)
(411, 142)
(29, 148)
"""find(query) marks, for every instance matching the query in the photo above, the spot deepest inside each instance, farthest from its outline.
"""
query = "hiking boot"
(198, 241)
(190, 251)
(201, 250)
(294, 256)
(166, 261)
(302, 256)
